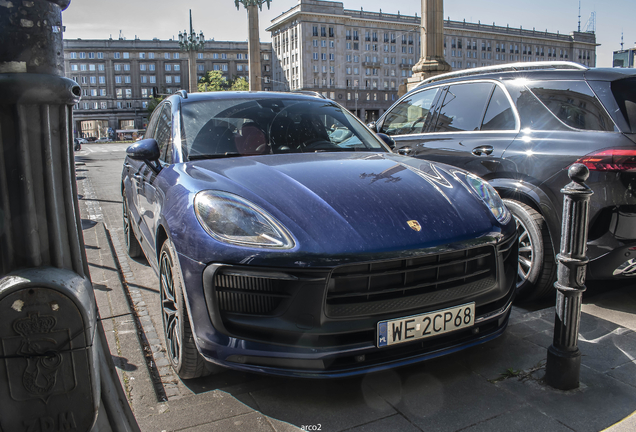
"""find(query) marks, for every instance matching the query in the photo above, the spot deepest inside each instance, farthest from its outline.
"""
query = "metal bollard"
(564, 357)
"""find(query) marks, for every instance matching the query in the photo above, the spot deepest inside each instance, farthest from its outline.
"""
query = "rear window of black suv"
(625, 94)
(574, 103)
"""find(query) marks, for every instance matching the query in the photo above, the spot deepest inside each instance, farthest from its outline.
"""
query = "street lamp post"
(253, 41)
(192, 43)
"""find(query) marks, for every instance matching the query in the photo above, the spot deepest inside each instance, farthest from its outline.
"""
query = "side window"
(574, 103)
(412, 115)
(163, 134)
(152, 124)
(499, 114)
(463, 107)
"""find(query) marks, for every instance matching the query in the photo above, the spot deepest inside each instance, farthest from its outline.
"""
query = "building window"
(126, 55)
(102, 92)
(93, 80)
(73, 55)
(153, 79)
(142, 66)
(83, 67)
(74, 67)
(142, 55)
(175, 55)
(82, 55)
(127, 79)
(315, 30)
(127, 66)
(119, 93)
(151, 55)
(117, 79)
(177, 79)
(144, 79)
(323, 31)
(151, 67)
(168, 79)
(102, 79)
(199, 55)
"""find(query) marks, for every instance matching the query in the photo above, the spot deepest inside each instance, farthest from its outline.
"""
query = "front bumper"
(303, 322)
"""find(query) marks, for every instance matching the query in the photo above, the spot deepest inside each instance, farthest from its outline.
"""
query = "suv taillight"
(610, 160)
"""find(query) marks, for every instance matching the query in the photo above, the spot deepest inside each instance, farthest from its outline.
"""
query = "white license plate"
(425, 325)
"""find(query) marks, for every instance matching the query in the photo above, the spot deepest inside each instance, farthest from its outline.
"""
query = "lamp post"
(192, 43)
(253, 41)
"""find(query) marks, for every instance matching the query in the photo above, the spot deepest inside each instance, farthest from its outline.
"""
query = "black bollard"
(564, 357)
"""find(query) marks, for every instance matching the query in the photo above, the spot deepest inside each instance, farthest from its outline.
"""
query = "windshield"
(240, 127)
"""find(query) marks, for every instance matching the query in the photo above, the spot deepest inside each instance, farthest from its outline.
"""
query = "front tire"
(536, 271)
(181, 348)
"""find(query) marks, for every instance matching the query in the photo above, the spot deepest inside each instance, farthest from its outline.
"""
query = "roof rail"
(310, 93)
(182, 93)
(509, 67)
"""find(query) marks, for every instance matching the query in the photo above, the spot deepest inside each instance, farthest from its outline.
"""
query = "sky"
(219, 19)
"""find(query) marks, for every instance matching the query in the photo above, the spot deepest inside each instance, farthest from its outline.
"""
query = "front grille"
(248, 294)
(389, 286)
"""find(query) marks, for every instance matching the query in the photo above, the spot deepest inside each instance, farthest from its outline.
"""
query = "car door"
(470, 127)
(149, 201)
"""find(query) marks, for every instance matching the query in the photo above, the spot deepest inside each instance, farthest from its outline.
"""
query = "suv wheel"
(182, 350)
(537, 269)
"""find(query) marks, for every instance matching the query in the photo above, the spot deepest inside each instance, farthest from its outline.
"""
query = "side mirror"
(387, 140)
(144, 150)
(372, 126)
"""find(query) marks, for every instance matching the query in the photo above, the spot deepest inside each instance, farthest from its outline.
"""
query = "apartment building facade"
(118, 77)
(360, 58)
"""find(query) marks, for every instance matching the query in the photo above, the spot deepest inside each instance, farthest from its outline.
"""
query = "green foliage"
(239, 84)
(152, 104)
(213, 81)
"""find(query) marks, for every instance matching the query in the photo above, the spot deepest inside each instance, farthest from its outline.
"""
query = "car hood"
(339, 203)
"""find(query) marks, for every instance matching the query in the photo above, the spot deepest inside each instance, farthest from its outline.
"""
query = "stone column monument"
(432, 61)
(253, 41)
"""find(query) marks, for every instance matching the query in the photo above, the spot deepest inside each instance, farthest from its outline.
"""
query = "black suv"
(520, 126)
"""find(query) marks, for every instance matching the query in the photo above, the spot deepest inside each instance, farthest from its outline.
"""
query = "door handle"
(481, 150)
(405, 151)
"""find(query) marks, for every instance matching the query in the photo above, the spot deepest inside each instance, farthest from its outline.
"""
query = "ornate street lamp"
(253, 42)
(192, 43)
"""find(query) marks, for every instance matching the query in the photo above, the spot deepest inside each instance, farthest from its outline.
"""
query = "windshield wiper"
(213, 156)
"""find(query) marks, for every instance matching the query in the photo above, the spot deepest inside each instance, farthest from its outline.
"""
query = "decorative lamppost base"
(426, 68)
(563, 368)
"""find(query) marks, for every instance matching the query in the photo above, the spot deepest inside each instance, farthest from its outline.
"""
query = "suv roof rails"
(310, 93)
(510, 67)
(182, 93)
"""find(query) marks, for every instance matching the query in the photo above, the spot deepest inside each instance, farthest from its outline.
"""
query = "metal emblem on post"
(564, 357)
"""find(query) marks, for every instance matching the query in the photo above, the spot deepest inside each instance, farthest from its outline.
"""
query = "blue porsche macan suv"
(290, 240)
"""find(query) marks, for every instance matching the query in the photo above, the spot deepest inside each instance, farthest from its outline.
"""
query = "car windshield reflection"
(239, 127)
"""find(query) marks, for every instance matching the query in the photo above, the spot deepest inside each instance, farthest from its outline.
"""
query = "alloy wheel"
(170, 310)
(526, 256)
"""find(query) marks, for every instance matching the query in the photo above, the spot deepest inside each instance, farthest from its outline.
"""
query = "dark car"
(520, 127)
(289, 240)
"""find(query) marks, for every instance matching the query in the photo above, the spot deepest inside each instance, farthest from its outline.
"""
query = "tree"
(239, 84)
(152, 104)
(213, 81)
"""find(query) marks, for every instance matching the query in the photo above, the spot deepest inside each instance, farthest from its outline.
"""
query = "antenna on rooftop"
(590, 26)
(579, 17)
(621, 40)
(121, 35)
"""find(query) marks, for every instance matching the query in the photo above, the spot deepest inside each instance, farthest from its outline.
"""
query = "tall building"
(360, 58)
(118, 77)
(624, 58)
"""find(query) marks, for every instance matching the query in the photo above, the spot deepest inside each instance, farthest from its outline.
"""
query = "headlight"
(489, 195)
(232, 219)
